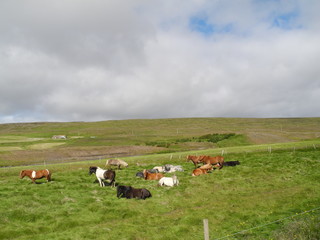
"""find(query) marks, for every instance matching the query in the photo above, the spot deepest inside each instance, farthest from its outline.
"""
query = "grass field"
(264, 188)
(272, 194)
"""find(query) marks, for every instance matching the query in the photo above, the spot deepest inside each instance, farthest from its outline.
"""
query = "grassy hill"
(272, 194)
(31, 143)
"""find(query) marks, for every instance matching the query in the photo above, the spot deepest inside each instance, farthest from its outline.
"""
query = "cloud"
(100, 60)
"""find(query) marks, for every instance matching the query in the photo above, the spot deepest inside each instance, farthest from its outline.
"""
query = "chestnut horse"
(199, 171)
(216, 161)
(33, 175)
(195, 159)
(152, 176)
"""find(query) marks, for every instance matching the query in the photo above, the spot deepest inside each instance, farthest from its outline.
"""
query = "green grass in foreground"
(264, 188)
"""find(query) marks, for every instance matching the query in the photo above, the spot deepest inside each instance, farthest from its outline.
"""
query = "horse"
(33, 175)
(102, 174)
(158, 169)
(199, 171)
(217, 161)
(168, 168)
(195, 159)
(231, 163)
(140, 174)
(130, 192)
(116, 162)
(152, 176)
(169, 181)
(207, 167)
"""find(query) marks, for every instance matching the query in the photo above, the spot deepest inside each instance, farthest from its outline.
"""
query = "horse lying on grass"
(152, 176)
(169, 181)
(130, 192)
(33, 175)
(199, 171)
(168, 168)
(231, 163)
(102, 175)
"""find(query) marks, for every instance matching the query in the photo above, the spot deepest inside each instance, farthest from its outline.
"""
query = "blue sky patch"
(203, 26)
(286, 21)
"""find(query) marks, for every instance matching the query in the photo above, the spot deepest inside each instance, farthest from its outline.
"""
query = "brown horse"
(199, 171)
(33, 175)
(152, 176)
(195, 159)
(207, 167)
(216, 161)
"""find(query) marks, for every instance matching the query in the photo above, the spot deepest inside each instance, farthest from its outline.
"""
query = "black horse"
(130, 192)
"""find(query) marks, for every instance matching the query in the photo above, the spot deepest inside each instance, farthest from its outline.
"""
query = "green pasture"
(141, 131)
(265, 187)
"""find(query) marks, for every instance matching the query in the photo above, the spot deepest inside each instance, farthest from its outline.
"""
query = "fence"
(206, 227)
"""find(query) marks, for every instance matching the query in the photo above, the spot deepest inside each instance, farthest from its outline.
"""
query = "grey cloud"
(99, 60)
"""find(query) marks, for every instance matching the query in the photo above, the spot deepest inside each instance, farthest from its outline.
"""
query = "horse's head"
(22, 174)
(145, 173)
(92, 170)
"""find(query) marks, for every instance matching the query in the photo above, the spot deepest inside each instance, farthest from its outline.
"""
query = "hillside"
(32, 143)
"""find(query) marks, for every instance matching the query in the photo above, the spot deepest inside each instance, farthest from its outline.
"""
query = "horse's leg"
(100, 182)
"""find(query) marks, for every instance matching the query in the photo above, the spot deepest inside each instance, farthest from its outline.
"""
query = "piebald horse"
(102, 175)
(33, 175)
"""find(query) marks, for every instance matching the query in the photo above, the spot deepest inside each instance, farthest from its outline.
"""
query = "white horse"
(168, 168)
(159, 168)
(169, 181)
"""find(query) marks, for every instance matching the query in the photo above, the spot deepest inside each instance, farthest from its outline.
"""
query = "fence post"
(206, 229)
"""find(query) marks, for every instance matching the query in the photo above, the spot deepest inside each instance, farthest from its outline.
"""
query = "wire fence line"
(266, 224)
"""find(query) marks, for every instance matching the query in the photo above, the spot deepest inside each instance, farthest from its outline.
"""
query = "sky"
(80, 60)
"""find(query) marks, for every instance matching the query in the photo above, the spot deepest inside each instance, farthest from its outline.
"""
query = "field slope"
(272, 194)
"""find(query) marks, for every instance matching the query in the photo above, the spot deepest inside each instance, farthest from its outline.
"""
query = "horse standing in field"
(102, 175)
(33, 175)
(216, 161)
(195, 159)
(116, 162)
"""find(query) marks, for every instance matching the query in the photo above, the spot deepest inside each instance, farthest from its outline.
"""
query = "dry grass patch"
(13, 139)
(45, 145)
(7, 149)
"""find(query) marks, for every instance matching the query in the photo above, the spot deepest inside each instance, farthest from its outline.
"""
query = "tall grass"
(265, 187)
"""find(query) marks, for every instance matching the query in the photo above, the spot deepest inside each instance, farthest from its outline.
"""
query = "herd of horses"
(157, 173)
